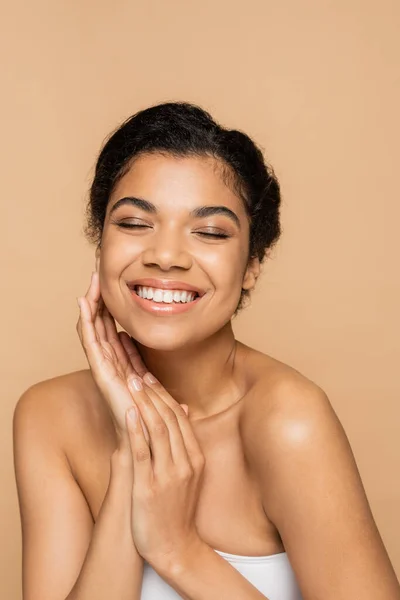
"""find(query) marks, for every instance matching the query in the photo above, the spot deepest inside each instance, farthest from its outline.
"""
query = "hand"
(167, 476)
(112, 355)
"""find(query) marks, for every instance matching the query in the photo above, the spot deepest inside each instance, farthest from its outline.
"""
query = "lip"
(161, 308)
(165, 284)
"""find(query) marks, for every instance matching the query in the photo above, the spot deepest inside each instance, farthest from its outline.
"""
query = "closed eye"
(131, 225)
(209, 234)
(215, 235)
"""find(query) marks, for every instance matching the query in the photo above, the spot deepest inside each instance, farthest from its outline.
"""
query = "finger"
(89, 337)
(192, 446)
(141, 455)
(133, 353)
(99, 322)
(178, 448)
(156, 426)
(94, 299)
(93, 293)
(113, 339)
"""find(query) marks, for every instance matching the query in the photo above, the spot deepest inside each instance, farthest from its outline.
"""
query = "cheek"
(225, 269)
(115, 258)
(118, 248)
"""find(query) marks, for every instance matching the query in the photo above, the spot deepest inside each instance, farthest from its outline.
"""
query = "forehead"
(174, 183)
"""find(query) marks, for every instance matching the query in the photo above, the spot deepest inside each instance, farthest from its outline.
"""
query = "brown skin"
(173, 247)
(292, 483)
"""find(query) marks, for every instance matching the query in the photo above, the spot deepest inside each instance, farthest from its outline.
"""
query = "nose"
(166, 250)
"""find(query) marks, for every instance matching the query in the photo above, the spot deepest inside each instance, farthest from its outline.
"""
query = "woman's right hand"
(111, 355)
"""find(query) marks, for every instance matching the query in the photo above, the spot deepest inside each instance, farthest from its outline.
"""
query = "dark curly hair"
(183, 129)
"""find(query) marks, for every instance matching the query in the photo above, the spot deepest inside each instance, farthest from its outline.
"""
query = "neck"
(202, 376)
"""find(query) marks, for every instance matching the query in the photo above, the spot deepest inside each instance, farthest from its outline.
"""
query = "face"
(173, 226)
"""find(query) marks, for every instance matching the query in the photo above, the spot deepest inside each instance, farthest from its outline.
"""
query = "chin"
(160, 338)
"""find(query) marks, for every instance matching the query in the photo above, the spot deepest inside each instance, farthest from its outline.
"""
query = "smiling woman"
(186, 464)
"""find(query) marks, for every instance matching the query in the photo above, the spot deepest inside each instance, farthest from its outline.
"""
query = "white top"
(272, 575)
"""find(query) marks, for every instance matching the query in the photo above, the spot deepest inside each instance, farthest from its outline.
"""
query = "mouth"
(159, 295)
(169, 298)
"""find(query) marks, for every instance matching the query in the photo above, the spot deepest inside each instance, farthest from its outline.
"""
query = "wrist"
(122, 463)
(123, 448)
(183, 560)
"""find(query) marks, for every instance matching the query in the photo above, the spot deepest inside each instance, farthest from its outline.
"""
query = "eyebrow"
(199, 212)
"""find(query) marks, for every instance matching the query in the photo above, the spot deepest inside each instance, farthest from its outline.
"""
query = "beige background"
(318, 86)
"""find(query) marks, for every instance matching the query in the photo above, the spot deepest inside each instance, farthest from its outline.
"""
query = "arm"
(64, 554)
(313, 493)
(168, 473)
(112, 568)
(202, 574)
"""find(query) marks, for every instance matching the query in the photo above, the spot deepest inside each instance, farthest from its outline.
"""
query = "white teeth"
(158, 296)
(167, 296)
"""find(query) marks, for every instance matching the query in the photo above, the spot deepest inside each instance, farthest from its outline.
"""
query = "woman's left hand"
(167, 476)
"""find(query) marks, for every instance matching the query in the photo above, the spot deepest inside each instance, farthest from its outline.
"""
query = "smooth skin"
(292, 483)
(167, 459)
(167, 464)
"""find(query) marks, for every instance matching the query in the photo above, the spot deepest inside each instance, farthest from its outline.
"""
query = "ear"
(97, 257)
(251, 274)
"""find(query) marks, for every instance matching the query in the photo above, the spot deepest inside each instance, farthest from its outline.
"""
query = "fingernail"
(132, 415)
(136, 383)
(185, 408)
(149, 378)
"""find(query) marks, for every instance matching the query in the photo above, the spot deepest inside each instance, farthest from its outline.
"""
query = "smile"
(164, 302)
(167, 296)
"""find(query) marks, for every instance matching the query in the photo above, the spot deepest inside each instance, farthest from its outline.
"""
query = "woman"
(235, 479)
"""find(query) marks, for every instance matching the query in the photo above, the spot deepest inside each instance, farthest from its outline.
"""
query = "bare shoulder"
(282, 402)
(287, 419)
(68, 408)
(311, 487)
(57, 450)
(63, 396)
